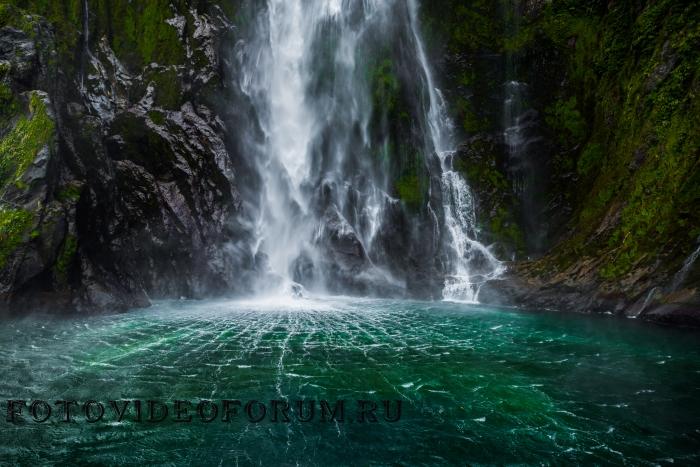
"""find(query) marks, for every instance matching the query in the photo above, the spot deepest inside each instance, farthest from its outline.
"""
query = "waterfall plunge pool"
(477, 384)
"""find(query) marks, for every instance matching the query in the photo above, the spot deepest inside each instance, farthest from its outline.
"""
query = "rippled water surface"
(478, 385)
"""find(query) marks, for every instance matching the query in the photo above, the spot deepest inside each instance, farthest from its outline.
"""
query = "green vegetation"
(157, 117)
(139, 33)
(468, 27)
(565, 119)
(496, 205)
(65, 258)
(70, 193)
(13, 15)
(9, 107)
(410, 191)
(385, 86)
(391, 123)
(168, 93)
(504, 228)
(20, 146)
(14, 224)
(465, 113)
(411, 186)
(590, 159)
(632, 74)
(617, 85)
(65, 17)
(483, 171)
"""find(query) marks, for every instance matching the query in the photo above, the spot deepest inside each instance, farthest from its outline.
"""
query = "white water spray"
(304, 73)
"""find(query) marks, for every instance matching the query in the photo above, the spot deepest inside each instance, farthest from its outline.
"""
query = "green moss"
(591, 159)
(168, 93)
(21, 145)
(469, 27)
(9, 107)
(495, 204)
(157, 117)
(635, 80)
(15, 17)
(4, 13)
(503, 228)
(410, 190)
(14, 223)
(471, 122)
(564, 117)
(385, 86)
(522, 39)
(6, 95)
(485, 174)
(139, 33)
(65, 258)
(70, 193)
(657, 194)
(65, 17)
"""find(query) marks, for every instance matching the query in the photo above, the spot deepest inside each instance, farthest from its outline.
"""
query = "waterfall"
(288, 124)
(309, 130)
(680, 277)
(514, 96)
(85, 44)
(513, 132)
(327, 160)
(86, 53)
(522, 136)
(464, 280)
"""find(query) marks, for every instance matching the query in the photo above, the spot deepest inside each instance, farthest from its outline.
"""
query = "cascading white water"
(278, 76)
(463, 282)
(279, 82)
(304, 71)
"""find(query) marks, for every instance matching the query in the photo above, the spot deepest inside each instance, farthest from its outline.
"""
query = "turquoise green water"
(478, 385)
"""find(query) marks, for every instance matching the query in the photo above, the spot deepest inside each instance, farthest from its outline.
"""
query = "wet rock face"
(343, 265)
(343, 255)
(139, 186)
(526, 287)
(18, 50)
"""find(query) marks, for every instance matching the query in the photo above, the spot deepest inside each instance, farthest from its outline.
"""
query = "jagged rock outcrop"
(130, 191)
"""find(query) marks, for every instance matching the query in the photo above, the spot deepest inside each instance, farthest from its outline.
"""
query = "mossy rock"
(410, 190)
(22, 144)
(622, 112)
(65, 258)
(14, 230)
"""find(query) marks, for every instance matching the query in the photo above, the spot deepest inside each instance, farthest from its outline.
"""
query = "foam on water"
(479, 385)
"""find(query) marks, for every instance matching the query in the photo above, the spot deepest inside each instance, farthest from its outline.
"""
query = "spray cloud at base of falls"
(353, 145)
